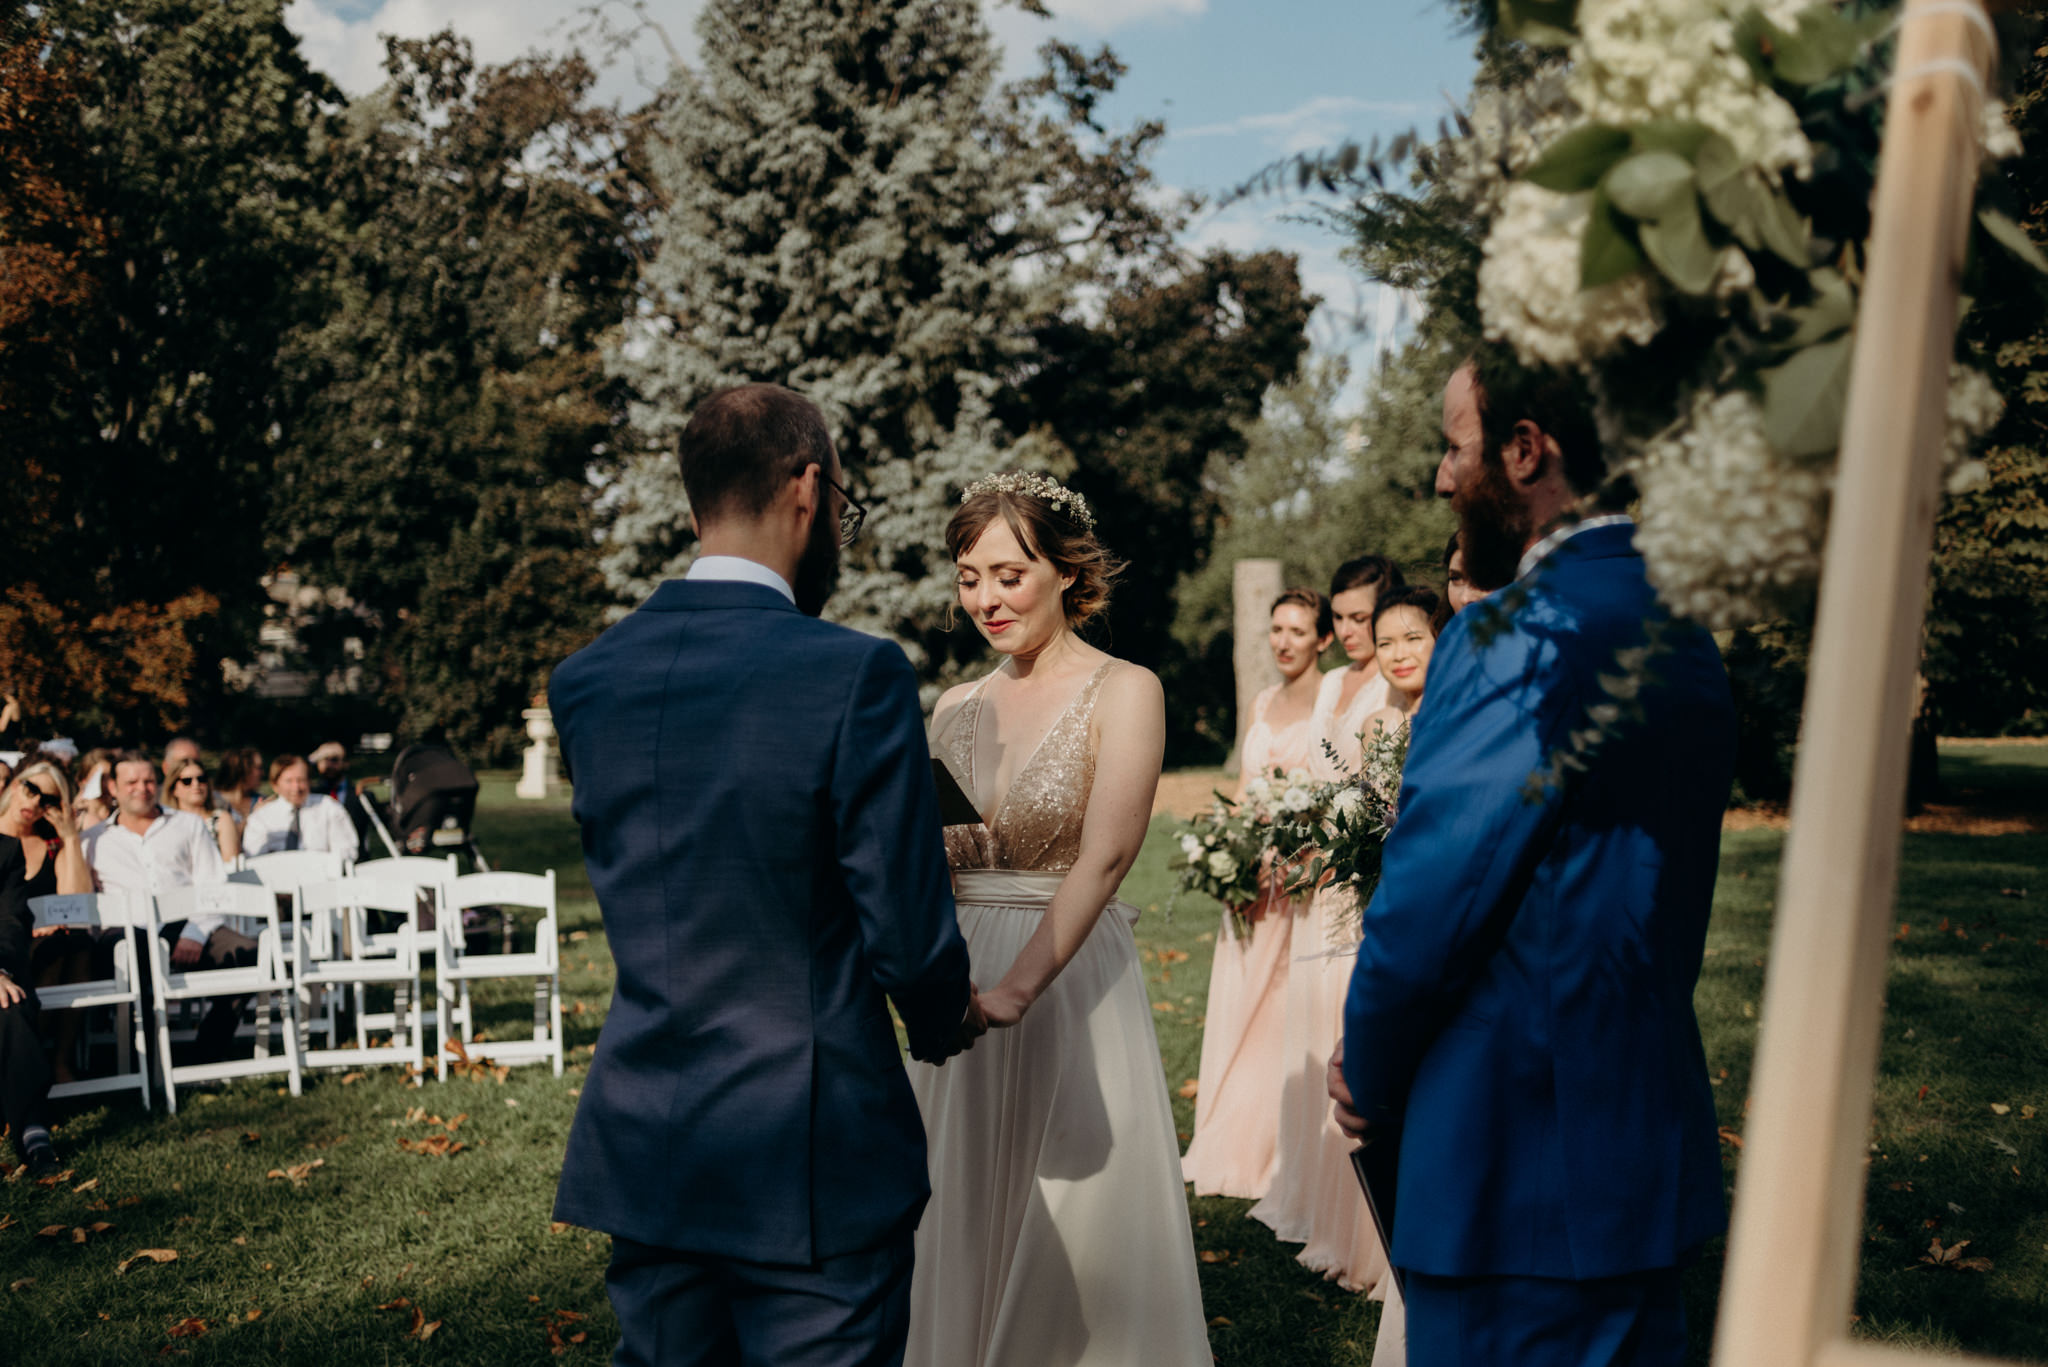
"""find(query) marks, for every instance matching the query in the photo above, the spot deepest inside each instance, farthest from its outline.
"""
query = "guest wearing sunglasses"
(192, 791)
(35, 809)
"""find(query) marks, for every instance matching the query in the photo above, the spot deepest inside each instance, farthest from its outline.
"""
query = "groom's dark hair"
(1558, 401)
(743, 443)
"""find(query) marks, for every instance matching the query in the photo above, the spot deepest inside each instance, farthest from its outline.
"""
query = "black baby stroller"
(430, 810)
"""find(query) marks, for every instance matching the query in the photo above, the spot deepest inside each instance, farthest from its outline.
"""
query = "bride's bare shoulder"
(1129, 688)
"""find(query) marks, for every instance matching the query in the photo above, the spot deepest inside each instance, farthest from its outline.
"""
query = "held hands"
(1348, 1120)
(1004, 1006)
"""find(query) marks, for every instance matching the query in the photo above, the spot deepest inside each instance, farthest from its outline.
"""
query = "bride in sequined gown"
(1057, 1234)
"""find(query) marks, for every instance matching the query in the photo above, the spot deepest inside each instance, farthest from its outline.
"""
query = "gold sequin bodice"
(1037, 824)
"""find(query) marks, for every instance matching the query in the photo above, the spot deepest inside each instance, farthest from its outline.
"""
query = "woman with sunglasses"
(192, 791)
(35, 809)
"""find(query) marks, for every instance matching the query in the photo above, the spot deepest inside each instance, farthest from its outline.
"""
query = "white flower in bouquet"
(1639, 60)
(1191, 848)
(1297, 799)
(1348, 803)
(1529, 293)
(1223, 865)
(1727, 525)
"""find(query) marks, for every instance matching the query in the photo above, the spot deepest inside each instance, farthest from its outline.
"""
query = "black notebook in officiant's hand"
(955, 807)
(1376, 1162)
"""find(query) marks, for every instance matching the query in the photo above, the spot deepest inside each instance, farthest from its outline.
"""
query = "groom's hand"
(1348, 1120)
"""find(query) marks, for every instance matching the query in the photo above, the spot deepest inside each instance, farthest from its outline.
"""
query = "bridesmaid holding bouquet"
(1237, 1109)
(1314, 1197)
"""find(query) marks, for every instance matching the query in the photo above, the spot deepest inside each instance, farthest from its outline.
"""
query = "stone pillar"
(540, 775)
(1254, 584)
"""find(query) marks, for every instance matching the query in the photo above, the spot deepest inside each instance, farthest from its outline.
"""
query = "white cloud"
(1319, 122)
(344, 38)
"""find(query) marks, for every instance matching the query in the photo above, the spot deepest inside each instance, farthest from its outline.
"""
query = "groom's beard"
(817, 574)
(1493, 527)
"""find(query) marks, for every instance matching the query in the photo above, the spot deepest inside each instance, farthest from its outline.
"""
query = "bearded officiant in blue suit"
(1520, 1017)
(759, 821)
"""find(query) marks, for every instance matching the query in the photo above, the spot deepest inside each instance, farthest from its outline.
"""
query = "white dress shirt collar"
(739, 569)
(1536, 553)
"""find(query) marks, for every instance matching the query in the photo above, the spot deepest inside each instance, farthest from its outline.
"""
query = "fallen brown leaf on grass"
(426, 1331)
(298, 1172)
(1173, 956)
(24, 1284)
(1729, 1137)
(100, 1227)
(1937, 1256)
(433, 1145)
(6, 1221)
(56, 1177)
(129, 1201)
(347, 1078)
(51, 1232)
(558, 1226)
(578, 936)
(83, 1187)
(147, 1255)
(240, 1241)
(1189, 1088)
(250, 1136)
(189, 1328)
(252, 1315)
(402, 1303)
(97, 1205)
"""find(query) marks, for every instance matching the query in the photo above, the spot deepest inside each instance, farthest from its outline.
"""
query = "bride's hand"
(1003, 1006)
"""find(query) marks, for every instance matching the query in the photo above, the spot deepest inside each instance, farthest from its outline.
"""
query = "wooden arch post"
(1798, 1222)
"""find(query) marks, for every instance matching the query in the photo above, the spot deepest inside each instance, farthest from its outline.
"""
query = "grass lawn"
(302, 1271)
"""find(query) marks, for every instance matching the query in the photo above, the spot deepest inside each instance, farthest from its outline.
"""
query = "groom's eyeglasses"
(851, 517)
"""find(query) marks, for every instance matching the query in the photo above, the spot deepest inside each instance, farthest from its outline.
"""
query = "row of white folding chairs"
(318, 964)
(138, 920)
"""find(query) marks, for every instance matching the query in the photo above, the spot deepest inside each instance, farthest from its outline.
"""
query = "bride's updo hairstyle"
(1052, 523)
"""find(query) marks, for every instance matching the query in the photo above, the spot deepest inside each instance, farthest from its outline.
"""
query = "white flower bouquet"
(1224, 850)
(1337, 840)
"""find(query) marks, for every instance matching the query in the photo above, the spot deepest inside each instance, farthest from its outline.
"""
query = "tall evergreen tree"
(856, 211)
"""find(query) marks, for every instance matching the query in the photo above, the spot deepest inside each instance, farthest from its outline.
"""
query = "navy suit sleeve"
(1468, 832)
(893, 854)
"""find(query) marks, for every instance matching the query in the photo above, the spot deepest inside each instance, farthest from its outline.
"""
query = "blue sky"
(1239, 83)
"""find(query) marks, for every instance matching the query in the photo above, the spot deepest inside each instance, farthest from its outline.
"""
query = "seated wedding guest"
(145, 850)
(35, 809)
(1403, 638)
(236, 779)
(298, 818)
(6, 773)
(330, 779)
(1243, 1071)
(180, 750)
(190, 790)
(24, 1072)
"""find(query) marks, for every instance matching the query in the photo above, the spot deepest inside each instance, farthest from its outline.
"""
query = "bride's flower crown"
(1054, 495)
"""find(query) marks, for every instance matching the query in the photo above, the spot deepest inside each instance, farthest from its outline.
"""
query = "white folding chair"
(428, 876)
(458, 969)
(286, 870)
(122, 992)
(332, 951)
(267, 980)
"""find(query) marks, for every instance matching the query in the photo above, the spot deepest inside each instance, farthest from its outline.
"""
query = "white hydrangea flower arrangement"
(1685, 237)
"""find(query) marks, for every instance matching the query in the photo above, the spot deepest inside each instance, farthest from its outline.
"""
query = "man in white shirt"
(143, 850)
(298, 818)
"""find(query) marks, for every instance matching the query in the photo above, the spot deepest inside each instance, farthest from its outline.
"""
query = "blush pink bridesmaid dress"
(1237, 1106)
(1314, 1198)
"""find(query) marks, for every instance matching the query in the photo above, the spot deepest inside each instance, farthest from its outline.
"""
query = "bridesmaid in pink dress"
(1237, 1108)
(1314, 1197)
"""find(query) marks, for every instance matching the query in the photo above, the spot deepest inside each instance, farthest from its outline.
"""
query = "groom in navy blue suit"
(761, 830)
(1520, 1016)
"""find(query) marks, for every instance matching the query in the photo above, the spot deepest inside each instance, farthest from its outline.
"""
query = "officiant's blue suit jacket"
(1521, 1005)
(755, 796)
